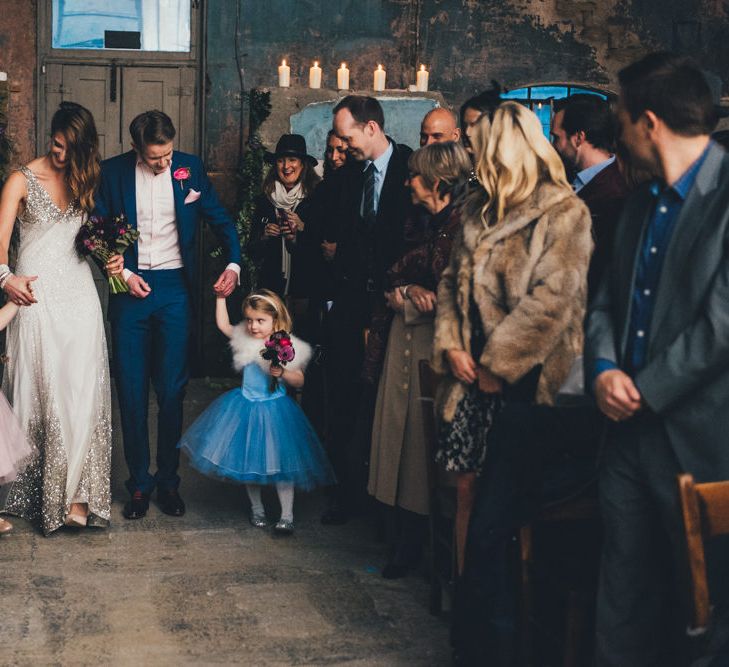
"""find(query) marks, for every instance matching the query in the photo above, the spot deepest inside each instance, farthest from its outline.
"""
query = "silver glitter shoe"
(258, 520)
(284, 527)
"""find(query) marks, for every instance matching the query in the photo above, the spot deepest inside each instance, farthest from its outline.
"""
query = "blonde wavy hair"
(83, 173)
(514, 156)
(266, 301)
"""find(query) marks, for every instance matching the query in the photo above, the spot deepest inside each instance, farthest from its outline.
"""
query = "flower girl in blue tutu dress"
(257, 434)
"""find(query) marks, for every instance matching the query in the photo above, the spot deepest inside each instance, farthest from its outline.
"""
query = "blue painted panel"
(402, 121)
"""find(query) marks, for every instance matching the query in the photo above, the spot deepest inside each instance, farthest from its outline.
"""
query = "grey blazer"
(685, 380)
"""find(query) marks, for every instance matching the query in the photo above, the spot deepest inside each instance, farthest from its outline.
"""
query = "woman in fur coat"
(511, 303)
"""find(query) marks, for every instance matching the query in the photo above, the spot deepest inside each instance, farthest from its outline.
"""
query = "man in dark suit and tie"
(164, 194)
(372, 205)
(657, 355)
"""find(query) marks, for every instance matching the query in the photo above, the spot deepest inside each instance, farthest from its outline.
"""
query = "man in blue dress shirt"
(657, 355)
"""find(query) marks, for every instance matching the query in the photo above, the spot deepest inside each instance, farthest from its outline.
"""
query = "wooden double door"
(115, 93)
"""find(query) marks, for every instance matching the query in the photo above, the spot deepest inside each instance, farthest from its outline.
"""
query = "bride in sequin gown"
(57, 376)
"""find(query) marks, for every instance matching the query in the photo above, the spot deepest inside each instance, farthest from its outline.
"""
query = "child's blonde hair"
(270, 303)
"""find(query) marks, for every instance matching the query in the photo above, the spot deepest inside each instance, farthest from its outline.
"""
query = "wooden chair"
(442, 566)
(581, 506)
(705, 509)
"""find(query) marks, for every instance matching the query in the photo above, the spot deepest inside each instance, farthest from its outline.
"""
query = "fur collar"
(475, 231)
(247, 350)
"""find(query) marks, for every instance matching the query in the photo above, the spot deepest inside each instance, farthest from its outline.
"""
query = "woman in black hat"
(285, 238)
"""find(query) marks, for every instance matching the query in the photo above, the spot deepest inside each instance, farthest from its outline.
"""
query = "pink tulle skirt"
(15, 451)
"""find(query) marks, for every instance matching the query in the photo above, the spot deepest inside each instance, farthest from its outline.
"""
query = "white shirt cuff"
(234, 267)
(126, 274)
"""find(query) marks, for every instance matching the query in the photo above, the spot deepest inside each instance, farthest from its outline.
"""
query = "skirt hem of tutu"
(302, 479)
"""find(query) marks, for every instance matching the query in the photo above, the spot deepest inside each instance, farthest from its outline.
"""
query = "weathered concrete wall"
(18, 59)
(465, 43)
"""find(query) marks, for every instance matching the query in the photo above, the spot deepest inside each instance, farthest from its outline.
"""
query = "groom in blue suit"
(164, 194)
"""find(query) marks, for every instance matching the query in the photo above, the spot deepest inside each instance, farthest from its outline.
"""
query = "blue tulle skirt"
(260, 442)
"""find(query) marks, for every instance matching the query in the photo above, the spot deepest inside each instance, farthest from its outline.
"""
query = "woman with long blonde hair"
(57, 376)
(509, 325)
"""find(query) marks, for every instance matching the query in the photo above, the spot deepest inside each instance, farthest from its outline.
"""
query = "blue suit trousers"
(151, 339)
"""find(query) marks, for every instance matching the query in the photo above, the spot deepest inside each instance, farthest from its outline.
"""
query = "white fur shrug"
(247, 349)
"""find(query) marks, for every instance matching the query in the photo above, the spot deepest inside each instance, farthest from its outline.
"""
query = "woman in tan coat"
(512, 301)
(399, 455)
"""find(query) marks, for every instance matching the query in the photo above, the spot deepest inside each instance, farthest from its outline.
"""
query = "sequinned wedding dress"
(57, 376)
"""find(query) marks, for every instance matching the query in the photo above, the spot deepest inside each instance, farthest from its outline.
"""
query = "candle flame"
(344, 65)
(316, 63)
(283, 62)
(422, 68)
(379, 67)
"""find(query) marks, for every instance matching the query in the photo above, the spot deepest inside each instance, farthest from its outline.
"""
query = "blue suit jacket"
(118, 194)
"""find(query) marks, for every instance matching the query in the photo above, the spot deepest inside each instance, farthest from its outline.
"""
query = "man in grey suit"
(657, 354)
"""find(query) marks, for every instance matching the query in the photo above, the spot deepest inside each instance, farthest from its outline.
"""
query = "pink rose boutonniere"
(181, 174)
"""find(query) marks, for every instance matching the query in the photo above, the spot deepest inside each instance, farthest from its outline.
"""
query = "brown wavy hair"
(309, 179)
(78, 128)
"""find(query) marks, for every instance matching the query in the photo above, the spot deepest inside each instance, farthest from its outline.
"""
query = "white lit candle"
(343, 77)
(284, 75)
(379, 80)
(422, 79)
(3, 76)
(315, 76)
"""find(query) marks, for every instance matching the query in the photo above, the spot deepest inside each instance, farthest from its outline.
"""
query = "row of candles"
(378, 79)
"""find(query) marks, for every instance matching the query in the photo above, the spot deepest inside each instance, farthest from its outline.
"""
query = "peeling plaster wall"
(465, 43)
(17, 58)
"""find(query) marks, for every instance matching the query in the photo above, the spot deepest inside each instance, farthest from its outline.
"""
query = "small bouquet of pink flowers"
(103, 238)
(279, 351)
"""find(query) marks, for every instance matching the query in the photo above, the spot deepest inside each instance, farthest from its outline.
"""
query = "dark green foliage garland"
(6, 148)
(250, 177)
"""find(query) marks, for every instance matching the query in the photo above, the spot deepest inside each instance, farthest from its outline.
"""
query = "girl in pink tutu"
(14, 448)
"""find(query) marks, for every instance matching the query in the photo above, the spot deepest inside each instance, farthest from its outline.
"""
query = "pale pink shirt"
(158, 246)
(159, 241)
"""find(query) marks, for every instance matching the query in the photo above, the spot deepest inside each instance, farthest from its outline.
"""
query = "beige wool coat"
(529, 280)
(398, 473)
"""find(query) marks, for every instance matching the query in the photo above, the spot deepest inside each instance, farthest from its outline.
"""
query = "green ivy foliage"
(250, 176)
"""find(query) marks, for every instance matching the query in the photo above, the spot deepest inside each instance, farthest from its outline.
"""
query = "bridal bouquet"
(279, 351)
(103, 238)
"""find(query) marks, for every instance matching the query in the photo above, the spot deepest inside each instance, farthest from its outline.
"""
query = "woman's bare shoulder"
(16, 186)
(39, 167)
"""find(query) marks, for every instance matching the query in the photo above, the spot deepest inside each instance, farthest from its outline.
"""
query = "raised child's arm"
(221, 317)
(7, 313)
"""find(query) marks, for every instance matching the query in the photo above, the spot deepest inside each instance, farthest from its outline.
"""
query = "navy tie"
(369, 213)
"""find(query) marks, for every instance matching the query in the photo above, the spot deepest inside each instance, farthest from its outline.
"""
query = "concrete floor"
(208, 588)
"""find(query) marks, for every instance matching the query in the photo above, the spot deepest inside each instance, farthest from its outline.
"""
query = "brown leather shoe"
(5, 526)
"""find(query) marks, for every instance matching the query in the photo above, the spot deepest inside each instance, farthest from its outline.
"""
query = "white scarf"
(288, 200)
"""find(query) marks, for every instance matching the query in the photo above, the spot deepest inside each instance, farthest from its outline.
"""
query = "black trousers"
(350, 402)
(536, 454)
(640, 615)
